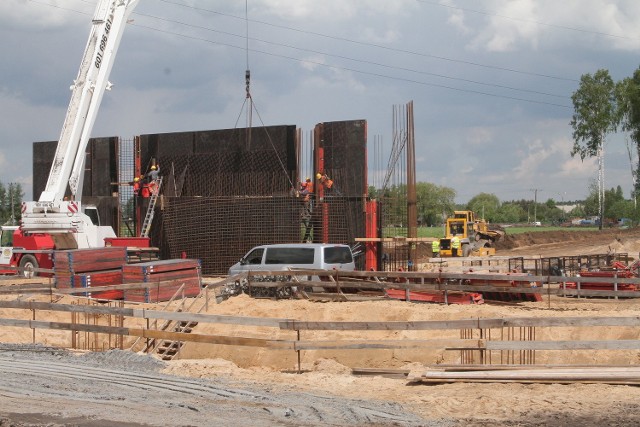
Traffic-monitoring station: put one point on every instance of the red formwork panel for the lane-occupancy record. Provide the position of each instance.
(137, 242)
(152, 268)
(68, 263)
(510, 280)
(84, 260)
(165, 278)
(98, 279)
(164, 290)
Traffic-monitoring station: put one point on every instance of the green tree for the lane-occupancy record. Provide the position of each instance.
(10, 201)
(3, 204)
(595, 116)
(510, 213)
(433, 202)
(627, 94)
(485, 205)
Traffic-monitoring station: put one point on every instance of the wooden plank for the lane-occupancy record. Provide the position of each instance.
(150, 333)
(585, 321)
(144, 313)
(210, 318)
(388, 344)
(213, 339)
(390, 326)
(466, 324)
(31, 290)
(70, 308)
(596, 293)
(563, 345)
(555, 375)
(447, 276)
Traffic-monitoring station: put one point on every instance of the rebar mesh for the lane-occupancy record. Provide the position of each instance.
(219, 230)
(126, 165)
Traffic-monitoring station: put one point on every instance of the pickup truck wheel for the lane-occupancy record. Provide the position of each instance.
(28, 263)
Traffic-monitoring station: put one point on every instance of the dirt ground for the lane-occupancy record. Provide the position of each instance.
(254, 385)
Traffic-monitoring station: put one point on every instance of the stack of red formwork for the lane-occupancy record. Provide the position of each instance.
(100, 278)
(88, 268)
(508, 280)
(611, 274)
(165, 278)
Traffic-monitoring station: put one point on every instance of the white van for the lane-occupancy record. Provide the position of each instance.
(300, 256)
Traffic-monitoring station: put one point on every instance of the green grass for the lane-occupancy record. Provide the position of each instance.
(520, 230)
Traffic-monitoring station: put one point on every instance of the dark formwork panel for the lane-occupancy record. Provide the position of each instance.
(345, 154)
(100, 166)
(224, 162)
(43, 153)
(344, 147)
(100, 172)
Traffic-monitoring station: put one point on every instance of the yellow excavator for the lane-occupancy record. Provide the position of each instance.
(476, 238)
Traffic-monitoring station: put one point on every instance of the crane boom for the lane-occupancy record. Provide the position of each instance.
(52, 213)
(88, 88)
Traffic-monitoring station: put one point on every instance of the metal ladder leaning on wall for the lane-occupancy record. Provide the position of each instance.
(148, 218)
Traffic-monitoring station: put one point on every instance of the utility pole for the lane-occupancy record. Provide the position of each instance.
(535, 203)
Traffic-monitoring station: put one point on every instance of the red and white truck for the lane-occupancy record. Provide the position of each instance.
(59, 220)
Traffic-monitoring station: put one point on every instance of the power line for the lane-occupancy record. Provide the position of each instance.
(335, 67)
(353, 59)
(344, 39)
(320, 64)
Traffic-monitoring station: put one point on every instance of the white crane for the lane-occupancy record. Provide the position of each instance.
(52, 214)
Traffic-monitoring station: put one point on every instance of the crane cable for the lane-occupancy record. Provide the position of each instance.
(250, 105)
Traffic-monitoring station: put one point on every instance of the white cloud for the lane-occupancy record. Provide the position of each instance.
(479, 135)
(514, 24)
(29, 15)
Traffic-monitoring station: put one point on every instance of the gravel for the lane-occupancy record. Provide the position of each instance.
(48, 386)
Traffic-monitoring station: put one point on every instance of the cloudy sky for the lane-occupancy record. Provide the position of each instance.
(491, 80)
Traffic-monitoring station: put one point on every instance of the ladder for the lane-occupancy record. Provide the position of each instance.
(148, 218)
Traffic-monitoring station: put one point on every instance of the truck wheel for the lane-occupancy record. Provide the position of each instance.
(28, 263)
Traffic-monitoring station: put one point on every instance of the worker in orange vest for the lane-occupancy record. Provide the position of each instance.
(136, 186)
(325, 180)
(306, 189)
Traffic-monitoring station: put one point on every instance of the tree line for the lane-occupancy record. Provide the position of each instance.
(10, 201)
(436, 203)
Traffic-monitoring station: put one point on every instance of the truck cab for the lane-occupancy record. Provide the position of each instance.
(15, 251)
(6, 248)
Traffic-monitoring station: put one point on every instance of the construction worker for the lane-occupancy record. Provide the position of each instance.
(152, 179)
(144, 191)
(136, 186)
(324, 180)
(154, 172)
(306, 189)
(435, 248)
(455, 245)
